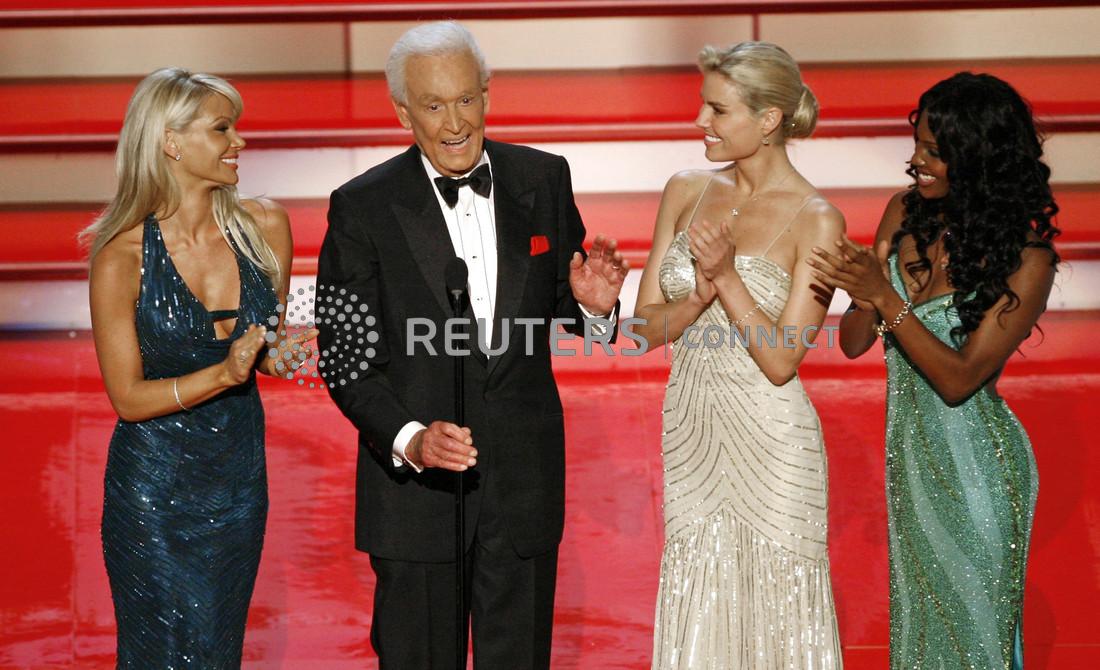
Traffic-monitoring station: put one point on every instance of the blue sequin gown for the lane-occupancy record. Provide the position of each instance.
(185, 495)
(961, 486)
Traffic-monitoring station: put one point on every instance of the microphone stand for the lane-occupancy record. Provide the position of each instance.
(457, 296)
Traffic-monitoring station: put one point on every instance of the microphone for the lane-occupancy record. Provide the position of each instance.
(455, 277)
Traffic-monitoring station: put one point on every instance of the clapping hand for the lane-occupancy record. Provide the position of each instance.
(290, 352)
(861, 272)
(712, 248)
(597, 280)
(705, 290)
(242, 354)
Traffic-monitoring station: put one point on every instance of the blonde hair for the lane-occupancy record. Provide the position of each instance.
(766, 76)
(171, 98)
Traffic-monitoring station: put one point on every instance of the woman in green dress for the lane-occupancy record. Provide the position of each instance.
(961, 269)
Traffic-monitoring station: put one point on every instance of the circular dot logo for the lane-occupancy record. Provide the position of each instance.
(345, 317)
(292, 357)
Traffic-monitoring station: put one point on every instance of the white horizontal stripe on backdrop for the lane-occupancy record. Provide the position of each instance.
(570, 44)
(1053, 32)
(554, 43)
(138, 50)
(598, 167)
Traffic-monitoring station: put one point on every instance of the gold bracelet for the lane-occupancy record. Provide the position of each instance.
(882, 328)
(755, 308)
(176, 392)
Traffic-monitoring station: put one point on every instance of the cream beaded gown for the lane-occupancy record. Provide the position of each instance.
(745, 570)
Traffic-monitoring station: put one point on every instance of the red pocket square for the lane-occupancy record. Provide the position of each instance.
(539, 245)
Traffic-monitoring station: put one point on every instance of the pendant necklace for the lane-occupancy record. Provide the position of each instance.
(736, 211)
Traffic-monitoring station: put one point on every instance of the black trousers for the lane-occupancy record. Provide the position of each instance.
(510, 608)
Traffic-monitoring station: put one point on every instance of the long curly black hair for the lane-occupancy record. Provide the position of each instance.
(998, 201)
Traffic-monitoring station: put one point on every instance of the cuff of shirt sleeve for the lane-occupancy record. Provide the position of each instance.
(604, 321)
(401, 442)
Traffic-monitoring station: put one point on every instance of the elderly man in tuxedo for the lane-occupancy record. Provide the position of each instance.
(508, 212)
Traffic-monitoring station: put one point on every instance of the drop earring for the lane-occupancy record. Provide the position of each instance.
(765, 141)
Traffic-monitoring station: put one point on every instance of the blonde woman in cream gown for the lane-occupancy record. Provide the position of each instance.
(745, 571)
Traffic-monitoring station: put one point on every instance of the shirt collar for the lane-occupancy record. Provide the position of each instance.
(433, 173)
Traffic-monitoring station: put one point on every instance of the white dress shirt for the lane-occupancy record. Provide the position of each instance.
(472, 227)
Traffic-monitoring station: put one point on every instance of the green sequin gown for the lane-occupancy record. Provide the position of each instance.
(961, 485)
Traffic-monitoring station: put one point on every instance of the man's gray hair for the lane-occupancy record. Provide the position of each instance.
(430, 39)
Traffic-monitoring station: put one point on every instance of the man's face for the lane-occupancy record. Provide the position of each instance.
(445, 109)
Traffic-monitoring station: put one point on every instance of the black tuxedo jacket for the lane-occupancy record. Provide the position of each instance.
(386, 247)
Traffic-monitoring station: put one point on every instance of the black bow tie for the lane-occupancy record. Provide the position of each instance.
(479, 180)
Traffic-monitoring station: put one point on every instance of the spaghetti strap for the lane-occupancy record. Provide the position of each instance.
(801, 206)
(691, 219)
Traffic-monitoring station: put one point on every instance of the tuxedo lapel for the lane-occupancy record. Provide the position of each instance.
(514, 201)
(417, 212)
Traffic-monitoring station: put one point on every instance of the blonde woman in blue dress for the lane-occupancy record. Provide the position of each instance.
(745, 572)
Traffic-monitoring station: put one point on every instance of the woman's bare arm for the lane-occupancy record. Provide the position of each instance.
(664, 321)
(857, 326)
(114, 285)
(819, 224)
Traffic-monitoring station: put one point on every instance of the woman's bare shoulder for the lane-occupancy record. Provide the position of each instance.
(688, 184)
(117, 266)
(268, 214)
(682, 191)
(819, 216)
(123, 250)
